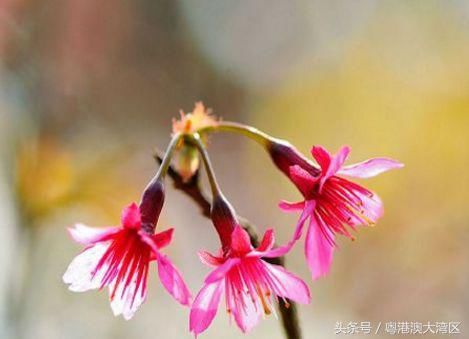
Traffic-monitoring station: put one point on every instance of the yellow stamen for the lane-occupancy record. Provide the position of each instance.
(265, 306)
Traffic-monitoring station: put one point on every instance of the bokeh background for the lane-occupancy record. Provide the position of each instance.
(88, 90)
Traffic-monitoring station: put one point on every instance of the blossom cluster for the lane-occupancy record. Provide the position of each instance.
(119, 257)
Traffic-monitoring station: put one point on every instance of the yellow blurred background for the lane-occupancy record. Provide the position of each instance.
(88, 90)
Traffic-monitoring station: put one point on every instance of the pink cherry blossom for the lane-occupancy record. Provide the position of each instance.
(331, 202)
(250, 284)
(119, 258)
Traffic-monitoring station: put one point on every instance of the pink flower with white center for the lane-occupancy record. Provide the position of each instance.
(249, 283)
(331, 202)
(119, 257)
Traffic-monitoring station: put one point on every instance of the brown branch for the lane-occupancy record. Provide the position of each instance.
(287, 308)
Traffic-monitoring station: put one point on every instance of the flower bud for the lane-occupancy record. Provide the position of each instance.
(187, 162)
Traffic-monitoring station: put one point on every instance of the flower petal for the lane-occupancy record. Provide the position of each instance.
(220, 272)
(302, 179)
(335, 164)
(322, 157)
(80, 274)
(288, 285)
(205, 306)
(338, 160)
(240, 240)
(276, 252)
(266, 249)
(370, 168)
(247, 314)
(308, 210)
(86, 235)
(372, 207)
(209, 259)
(164, 238)
(268, 241)
(127, 299)
(318, 249)
(287, 206)
(172, 280)
(131, 216)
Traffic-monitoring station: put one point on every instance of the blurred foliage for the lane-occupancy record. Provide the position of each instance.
(49, 178)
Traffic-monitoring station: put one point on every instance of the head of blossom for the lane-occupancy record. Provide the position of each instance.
(250, 284)
(119, 257)
(199, 118)
(188, 161)
(331, 202)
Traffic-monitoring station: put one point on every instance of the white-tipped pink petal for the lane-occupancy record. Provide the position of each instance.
(221, 271)
(127, 299)
(80, 274)
(205, 306)
(370, 168)
(287, 206)
(246, 317)
(372, 207)
(318, 248)
(288, 285)
(172, 280)
(86, 235)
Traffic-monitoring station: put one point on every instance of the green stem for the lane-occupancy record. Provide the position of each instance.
(166, 162)
(251, 132)
(195, 139)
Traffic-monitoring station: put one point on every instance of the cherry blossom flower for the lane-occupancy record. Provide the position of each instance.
(119, 258)
(331, 202)
(249, 283)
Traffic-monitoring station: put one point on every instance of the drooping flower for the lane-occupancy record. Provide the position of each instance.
(250, 284)
(331, 202)
(119, 257)
(187, 159)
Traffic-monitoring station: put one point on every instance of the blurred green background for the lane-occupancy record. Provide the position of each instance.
(88, 90)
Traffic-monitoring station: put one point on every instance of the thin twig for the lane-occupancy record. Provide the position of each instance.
(287, 308)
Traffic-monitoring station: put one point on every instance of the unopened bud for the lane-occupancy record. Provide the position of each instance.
(187, 162)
